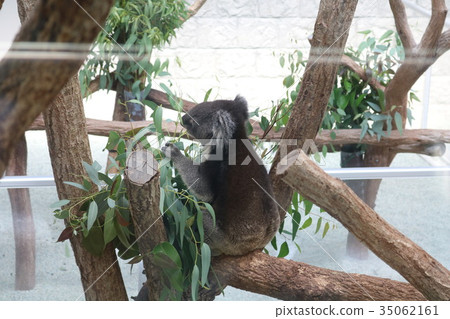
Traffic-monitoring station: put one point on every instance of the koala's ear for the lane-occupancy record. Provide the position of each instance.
(241, 106)
(223, 125)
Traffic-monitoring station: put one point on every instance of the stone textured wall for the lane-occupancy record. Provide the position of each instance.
(233, 47)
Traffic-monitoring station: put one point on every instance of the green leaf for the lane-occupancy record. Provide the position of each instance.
(296, 218)
(273, 242)
(92, 173)
(157, 118)
(167, 249)
(92, 214)
(308, 206)
(93, 242)
(398, 122)
(62, 214)
(264, 124)
(365, 32)
(364, 128)
(60, 203)
(111, 202)
(374, 106)
(207, 94)
(113, 139)
(288, 81)
(194, 282)
(341, 112)
(77, 186)
(206, 262)
(307, 223)
(211, 212)
(319, 223)
(201, 231)
(282, 60)
(342, 101)
(325, 229)
(284, 250)
(386, 35)
(409, 116)
(109, 231)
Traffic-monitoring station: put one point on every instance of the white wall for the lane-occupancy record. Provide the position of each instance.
(233, 46)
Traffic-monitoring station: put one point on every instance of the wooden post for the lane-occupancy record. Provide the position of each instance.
(142, 180)
(24, 232)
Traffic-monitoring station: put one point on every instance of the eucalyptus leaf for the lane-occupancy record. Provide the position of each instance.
(92, 214)
(284, 250)
(398, 122)
(60, 203)
(205, 252)
(194, 282)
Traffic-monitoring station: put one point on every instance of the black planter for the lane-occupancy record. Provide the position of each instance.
(353, 156)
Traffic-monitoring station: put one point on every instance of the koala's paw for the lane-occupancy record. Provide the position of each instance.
(170, 150)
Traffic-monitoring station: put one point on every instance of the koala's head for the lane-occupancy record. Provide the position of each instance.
(216, 120)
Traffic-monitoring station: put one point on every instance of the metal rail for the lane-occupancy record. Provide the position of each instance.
(342, 173)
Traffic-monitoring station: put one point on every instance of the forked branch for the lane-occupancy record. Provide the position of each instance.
(402, 25)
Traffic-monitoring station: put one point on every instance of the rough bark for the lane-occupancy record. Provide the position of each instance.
(195, 7)
(420, 269)
(142, 180)
(289, 280)
(28, 87)
(424, 141)
(329, 38)
(69, 146)
(24, 232)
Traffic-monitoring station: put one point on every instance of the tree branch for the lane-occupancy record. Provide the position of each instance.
(430, 38)
(1, 3)
(28, 87)
(289, 280)
(330, 31)
(195, 7)
(425, 273)
(424, 141)
(355, 67)
(402, 25)
(443, 43)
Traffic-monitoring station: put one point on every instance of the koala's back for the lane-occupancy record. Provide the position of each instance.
(245, 208)
(237, 185)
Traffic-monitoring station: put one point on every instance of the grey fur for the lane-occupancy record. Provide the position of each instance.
(247, 217)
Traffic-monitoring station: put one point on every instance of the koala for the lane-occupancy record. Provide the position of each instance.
(231, 177)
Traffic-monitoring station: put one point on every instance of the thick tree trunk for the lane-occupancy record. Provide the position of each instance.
(28, 87)
(142, 180)
(289, 280)
(329, 38)
(69, 146)
(24, 233)
(420, 269)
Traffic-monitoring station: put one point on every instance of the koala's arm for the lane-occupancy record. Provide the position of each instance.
(191, 173)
